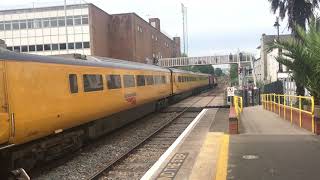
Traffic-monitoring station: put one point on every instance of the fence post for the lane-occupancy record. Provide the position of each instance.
(312, 114)
(284, 106)
(279, 105)
(300, 113)
(291, 108)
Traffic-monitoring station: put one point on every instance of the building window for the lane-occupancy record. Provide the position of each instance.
(149, 80)
(156, 38)
(114, 81)
(140, 80)
(128, 81)
(79, 45)
(7, 25)
(23, 24)
(54, 47)
(32, 48)
(47, 47)
(70, 45)
(92, 82)
(152, 36)
(54, 22)
(61, 22)
(86, 45)
(73, 83)
(16, 48)
(9, 48)
(70, 21)
(37, 23)
(62, 46)
(85, 20)
(77, 20)
(24, 48)
(15, 25)
(40, 47)
(1, 26)
(46, 23)
(30, 24)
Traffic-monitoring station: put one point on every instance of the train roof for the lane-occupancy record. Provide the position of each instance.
(92, 61)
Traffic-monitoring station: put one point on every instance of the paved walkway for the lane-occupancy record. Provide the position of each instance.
(272, 148)
(256, 120)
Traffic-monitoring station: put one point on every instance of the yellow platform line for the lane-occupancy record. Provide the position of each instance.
(222, 165)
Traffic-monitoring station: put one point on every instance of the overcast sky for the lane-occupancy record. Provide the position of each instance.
(215, 26)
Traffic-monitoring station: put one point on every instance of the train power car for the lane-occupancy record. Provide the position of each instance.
(51, 105)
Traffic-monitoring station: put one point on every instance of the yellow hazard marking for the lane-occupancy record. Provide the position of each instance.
(222, 165)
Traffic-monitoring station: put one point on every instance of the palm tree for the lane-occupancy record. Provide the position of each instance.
(298, 12)
(302, 56)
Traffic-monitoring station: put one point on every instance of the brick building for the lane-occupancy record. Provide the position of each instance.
(86, 29)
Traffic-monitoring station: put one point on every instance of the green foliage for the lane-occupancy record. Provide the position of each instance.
(297, 11)
(218, 72)
(208, 69)
(303, 57)
(184, 55)
(234, 74)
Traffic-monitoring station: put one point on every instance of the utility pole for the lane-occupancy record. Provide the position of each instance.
(277, 25)
(185, 31)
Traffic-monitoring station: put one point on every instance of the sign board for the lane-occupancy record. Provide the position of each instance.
(230, 91)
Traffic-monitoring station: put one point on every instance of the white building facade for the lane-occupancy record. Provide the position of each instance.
(47, 31)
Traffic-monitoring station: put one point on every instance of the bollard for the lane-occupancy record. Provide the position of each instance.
(233, 122)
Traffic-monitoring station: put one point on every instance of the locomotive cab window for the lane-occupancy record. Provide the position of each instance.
(73, 83)
(140, 80)
(128, 81)
(114, 81)
(92, 82)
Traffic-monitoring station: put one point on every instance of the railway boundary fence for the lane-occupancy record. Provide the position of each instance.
(299, 110)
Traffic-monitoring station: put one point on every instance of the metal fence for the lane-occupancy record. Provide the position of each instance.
(297, 109)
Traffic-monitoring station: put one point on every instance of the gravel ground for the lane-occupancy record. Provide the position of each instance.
(135, 165)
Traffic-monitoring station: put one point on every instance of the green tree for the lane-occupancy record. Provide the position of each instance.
(218, 72)
(234, 74)
(303, 57)
(298, 12)
(208, 69)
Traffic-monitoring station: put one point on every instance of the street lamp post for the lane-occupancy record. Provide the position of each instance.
(277, 25)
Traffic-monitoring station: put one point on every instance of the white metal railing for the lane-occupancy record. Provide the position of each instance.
(214, 60)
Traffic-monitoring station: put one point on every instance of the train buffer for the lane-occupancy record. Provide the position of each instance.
(267, 147)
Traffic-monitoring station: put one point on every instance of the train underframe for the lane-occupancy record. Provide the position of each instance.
(28, 155)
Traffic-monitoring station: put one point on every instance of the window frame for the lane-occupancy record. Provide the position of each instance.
(90, 89)
(125, 83)
(71, 90)
(113, 86)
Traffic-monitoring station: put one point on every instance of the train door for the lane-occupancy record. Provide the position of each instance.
(4, 118)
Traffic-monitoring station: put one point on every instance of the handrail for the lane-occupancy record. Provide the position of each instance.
(286, 102)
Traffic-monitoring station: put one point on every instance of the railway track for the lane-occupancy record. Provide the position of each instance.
(136, 161)
(147, 138)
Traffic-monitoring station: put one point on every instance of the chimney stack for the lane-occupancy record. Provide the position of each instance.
(155, 22)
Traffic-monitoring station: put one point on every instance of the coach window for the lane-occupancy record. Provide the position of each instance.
(92, 82)
(73, 83)
(114, 81)
(128, 81)
(149, 80)
(140, 80)
(163, 79)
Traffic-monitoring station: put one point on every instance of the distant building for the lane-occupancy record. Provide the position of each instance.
(86, 30)
(267, 67)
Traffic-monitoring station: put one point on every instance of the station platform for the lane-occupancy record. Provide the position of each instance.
(267, 147)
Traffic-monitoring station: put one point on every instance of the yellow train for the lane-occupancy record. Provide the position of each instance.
(53, 104)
